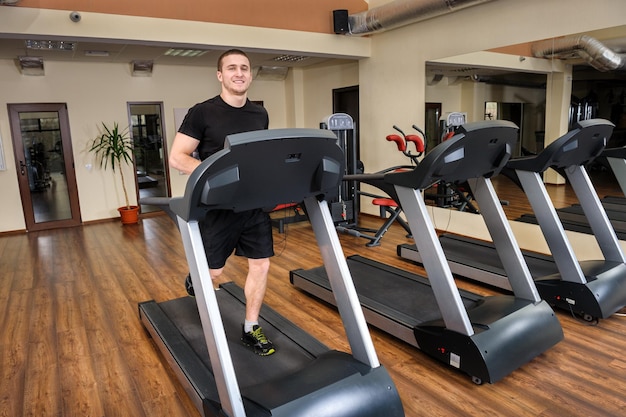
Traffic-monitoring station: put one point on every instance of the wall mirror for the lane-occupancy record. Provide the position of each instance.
(508, 83)
(150, 154)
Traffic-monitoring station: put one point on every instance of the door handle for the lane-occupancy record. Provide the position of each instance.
(22, 168)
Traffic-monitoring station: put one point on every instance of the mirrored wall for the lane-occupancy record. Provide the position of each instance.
(151, 168)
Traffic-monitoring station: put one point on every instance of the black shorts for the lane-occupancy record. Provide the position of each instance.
(248, 233)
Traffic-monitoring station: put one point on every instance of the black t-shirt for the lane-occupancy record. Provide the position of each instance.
(212, 120)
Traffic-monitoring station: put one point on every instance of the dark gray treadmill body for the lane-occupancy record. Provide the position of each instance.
(572, 226)
(616, 157)
(593, 289)
(478, 260)
(413, 300)
(177, 324)
(461, 329)
(403, 305)
(200, 336)
(573, 218)
(615, 201)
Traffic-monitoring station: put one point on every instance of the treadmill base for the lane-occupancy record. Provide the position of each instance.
(303, 378)
(397, 302)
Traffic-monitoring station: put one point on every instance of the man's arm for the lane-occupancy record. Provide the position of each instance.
(180, 154)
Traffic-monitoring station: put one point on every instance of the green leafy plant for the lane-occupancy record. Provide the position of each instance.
(114, 147)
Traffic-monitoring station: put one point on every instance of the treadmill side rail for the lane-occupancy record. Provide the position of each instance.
(210, 317)
(508, 250)
(551, 227)
(341, 282)
(595, 213)
(618, 166)
(446, 292)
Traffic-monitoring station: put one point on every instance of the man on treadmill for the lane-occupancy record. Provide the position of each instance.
(248, 233)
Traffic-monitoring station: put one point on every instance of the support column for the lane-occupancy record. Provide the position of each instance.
(558, 99)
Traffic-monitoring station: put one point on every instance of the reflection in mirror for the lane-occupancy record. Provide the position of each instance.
(45, 166)
(484, 93)
(150, 151)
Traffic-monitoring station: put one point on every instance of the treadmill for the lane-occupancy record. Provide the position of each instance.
(616, 157)
(591, 289)
(200, 337)
(573, 217)
(484, 337)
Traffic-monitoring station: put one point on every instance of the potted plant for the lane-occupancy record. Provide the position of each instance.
(114, 147)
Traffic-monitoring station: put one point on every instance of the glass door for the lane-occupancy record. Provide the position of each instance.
(43, 155)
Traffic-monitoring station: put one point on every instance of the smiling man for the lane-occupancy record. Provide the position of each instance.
(248, 233)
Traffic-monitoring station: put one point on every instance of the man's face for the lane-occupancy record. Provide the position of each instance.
(235, 74)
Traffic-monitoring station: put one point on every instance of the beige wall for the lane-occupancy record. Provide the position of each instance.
(318, 84)
(391, 77)
(99, 93)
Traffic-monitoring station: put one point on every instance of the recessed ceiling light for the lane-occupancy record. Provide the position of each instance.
(187, 53)
(290, 58)
(96, 53)
(50, 45)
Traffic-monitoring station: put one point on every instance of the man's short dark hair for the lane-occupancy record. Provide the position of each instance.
(227, 53)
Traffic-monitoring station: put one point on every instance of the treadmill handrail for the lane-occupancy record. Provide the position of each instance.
(478, 149)
(239, 176)
(577, 147)
(619, 152)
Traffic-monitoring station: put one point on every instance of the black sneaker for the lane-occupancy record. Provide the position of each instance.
(256, 339)
(189, 286)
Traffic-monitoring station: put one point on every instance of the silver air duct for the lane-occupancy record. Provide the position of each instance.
(403, 12)
(585, 47)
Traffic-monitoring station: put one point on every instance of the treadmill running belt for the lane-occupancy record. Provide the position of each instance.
(482, 255)
(573, 226)
(395, 293)
(250, 368)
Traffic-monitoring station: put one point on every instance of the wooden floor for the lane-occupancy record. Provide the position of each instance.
(72, 344)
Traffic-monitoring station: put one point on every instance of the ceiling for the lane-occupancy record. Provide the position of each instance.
(118, 52)
(128, 52)
(582, 72)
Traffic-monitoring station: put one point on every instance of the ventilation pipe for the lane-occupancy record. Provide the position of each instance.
(402, 12)
(591, 50)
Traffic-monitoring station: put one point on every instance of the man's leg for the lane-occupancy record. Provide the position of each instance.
(254, 289)
(256, 283)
